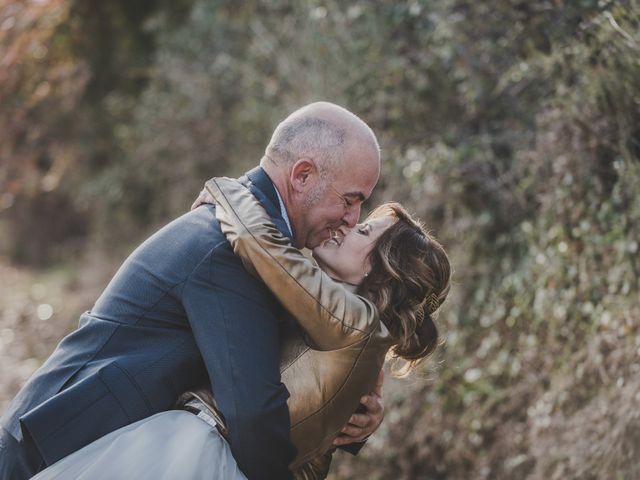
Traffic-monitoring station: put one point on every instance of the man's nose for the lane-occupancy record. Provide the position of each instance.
(351, 217)
(343, 230)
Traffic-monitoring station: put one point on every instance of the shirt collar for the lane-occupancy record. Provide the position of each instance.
(283, 211)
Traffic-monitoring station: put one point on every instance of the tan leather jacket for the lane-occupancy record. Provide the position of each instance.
(346, 342)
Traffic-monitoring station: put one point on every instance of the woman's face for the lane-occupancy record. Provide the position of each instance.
(344, 257)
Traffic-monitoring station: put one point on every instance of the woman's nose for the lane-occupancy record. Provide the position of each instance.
(351, 216)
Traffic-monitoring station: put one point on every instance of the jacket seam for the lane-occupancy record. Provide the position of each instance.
(143, 315)
(206, 258)
(342, 385)
(306, 349)
(46, 437)
(135, 385)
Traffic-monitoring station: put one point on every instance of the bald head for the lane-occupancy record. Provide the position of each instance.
(324, 132)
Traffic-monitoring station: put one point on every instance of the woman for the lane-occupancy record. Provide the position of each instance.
(400, 276)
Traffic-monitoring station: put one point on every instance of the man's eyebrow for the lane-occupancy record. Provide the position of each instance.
(359, 195)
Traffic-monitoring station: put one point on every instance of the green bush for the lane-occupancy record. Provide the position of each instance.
(511, 127)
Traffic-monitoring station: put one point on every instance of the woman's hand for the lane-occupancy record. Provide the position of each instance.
(361, 425)
(203, 197)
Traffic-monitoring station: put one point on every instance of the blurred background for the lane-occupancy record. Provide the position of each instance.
(512, 127)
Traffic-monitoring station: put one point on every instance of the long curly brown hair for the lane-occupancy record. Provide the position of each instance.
(409, 279)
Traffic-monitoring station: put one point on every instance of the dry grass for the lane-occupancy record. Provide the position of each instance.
(36, 310)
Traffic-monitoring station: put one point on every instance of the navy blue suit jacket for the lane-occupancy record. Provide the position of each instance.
(180, 312)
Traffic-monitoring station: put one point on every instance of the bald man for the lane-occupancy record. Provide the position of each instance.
(324, 162)
(182, 312)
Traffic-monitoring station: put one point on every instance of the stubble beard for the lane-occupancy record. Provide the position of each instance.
(314, 196)
(310, 202)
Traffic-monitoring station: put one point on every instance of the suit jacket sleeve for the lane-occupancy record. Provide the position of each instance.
(332, 316)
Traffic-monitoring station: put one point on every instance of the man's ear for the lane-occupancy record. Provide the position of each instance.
(304, 174)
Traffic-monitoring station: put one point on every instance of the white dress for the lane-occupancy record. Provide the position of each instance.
(172, 445)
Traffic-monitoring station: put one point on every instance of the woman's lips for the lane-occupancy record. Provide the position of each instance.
(334, 239)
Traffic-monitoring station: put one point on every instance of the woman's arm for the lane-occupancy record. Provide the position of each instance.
(315, 469)
(331, 316)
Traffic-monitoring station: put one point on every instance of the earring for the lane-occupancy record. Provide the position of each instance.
(366, 274)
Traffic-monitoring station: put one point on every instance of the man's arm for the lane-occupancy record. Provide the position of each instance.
(234, 322)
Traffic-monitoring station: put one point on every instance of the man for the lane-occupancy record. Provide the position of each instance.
(182, 311)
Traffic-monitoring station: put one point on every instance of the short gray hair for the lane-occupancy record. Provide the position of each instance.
(311, 137)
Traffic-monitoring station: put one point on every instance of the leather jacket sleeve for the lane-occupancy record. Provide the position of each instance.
(331, 316)
(315, 469)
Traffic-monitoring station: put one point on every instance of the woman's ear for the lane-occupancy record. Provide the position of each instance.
(366, 268)
(304, 174)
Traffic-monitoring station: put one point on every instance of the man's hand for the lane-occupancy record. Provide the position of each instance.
(361, 425)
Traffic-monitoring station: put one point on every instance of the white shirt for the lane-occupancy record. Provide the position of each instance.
(283, 211)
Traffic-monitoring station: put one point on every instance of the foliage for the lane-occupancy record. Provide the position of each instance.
(61, 61)
(511, 127)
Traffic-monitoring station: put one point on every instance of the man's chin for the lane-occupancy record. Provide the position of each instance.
(317, 241)
(299, 242)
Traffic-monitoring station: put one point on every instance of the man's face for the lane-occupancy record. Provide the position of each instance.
(337, 201)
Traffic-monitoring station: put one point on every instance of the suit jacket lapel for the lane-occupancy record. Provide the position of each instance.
(262, 187)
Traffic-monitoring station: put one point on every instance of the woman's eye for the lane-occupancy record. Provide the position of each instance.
(363, 231)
